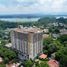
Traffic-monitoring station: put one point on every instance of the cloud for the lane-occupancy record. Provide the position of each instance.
(33, 6)
(25, 0)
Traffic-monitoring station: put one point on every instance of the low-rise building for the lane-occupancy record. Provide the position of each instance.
(1, 60)
(8, 45)
(53, 63)
(45, 30)
(63, 31)
(45, 36)
(43, 56)
(13, 65)
(55, 35)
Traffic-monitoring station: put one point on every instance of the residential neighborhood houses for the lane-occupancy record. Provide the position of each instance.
(33, 33)
(32, 46)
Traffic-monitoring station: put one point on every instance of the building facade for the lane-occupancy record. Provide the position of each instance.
(27, 40)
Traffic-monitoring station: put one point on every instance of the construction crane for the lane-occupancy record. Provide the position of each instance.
(17, 23)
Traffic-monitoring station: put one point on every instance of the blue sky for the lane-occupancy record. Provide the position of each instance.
(33, 6)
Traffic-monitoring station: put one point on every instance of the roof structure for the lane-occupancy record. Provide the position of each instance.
(43, 56)
(1, 60)
(53, 63)
(13, 65)
(28, 30)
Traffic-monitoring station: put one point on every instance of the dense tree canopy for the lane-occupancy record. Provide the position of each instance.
(2, 65)
(42, 64)
(62, 38)
(61, 56)
(62, 20)
(28, 63)
(7, 54)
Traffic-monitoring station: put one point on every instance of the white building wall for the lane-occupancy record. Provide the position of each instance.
(32, 48)
(12, 39)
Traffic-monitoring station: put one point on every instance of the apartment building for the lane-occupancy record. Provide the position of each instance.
(27, 40)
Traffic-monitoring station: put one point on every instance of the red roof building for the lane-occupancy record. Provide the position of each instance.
(13, 65)
(53, 63)
(1, 60)
(43, 56)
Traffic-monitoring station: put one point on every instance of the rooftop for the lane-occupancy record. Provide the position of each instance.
(1, 59)
(63, 32)
(45, 36)
(28, 30)
(43, 56)
(53, 63)
(13, 65)
(8, 45)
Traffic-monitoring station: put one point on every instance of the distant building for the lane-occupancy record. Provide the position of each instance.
(55, 24)
(65, 25)
(45, 30)
(27, 40)
(63, 31)
(61, 24)
(55, 36)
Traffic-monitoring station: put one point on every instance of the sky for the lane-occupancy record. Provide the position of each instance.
(33, 6)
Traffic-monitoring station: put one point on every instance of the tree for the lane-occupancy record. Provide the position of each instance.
(28, 63)
(54, 30)
(47, 41)
(45, 20)
(52, 48)
(45, 51)
(2, 65)
(63, 61)
(61, 20)
(7, 54)
(6, 60)
(42, 64)
(3, 42)
(62, 38)
(61, 56)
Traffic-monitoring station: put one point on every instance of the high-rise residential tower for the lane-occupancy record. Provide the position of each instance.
(27, 40)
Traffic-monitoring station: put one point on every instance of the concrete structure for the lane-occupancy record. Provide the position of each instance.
(28, 41)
